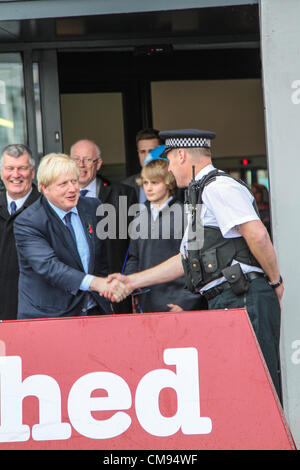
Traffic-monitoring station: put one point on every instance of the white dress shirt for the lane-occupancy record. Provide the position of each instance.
(156, 210)
(91, 189)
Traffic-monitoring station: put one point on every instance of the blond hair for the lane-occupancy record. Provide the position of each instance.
(158, 169)
(52, 166)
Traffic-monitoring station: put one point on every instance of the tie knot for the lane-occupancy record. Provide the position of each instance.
(67, 217)
(83, 192)
(69, 225)
(13, 207)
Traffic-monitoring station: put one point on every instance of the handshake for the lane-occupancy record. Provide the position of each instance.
(115, 287)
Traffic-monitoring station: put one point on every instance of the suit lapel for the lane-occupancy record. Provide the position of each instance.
(103, 191)
(33, 196)
(62, 233)
(3, 206)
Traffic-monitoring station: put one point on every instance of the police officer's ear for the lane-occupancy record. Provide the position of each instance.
(182, 156)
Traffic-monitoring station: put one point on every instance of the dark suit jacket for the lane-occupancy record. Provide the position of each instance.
(9, 267)
(50, 266)
(109, 193)
(131, 181)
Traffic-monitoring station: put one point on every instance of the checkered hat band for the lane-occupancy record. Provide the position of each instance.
(186, 142)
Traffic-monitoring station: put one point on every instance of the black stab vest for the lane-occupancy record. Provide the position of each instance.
(205, 264)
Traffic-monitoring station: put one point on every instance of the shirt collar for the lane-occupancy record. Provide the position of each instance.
(92, 187)
(155, 211)
(19, 202)
(204, 171)
(60, 212)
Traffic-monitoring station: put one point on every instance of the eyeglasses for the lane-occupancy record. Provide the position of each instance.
(85, 160)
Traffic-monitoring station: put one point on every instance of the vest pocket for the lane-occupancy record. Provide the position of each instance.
(210, 261)
(193, 273)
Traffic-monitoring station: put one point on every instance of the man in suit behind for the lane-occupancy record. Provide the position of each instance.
(146, 140)
(62, 262)
(17, 173)
(87, 156)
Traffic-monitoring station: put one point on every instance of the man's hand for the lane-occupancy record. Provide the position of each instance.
(113, 290)
(116, 290)
(175, 308)
(167, 271)
(121, 277)
(279, 292)
(117, 279)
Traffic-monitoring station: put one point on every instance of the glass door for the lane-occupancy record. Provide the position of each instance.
(29, 102)
(13, 128)
(44, 101)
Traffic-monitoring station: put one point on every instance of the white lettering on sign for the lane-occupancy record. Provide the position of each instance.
(13, 391)
(185, 382)
(80, 405)
(296, 94)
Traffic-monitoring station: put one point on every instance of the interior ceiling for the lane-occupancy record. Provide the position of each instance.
(112, 71)
(193, 27)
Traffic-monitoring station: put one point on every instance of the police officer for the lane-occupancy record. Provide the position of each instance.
(228, 256)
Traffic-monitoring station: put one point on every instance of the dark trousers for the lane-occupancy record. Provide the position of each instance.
(263, 309)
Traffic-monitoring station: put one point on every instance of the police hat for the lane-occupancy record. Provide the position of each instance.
(186, 138)
(156, 154)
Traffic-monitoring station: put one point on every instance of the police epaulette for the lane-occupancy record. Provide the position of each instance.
(211, 176)
(205, 180)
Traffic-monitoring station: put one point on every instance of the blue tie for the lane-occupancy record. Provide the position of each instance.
(83, 192)
(67, 218)
(13, 207)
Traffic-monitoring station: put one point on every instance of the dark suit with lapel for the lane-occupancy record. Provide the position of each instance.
(109, 193)
(50, 266)
(131, 181)
(9, 267)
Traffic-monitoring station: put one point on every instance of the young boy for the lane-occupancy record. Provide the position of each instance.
(161, 227)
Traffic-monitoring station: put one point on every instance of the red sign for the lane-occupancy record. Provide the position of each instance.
(191, 380)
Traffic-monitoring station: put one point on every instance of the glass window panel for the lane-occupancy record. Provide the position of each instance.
(12, 101)
(37, 103)
(249, 177)
(263, 178)
(235, 173)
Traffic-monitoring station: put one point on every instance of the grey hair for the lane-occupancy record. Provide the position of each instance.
(97, 147)
(197, 152)
(16, 151)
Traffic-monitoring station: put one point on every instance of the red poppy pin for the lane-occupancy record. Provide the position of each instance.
(90, 230)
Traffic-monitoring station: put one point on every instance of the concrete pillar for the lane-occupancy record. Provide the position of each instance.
(280, 47)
